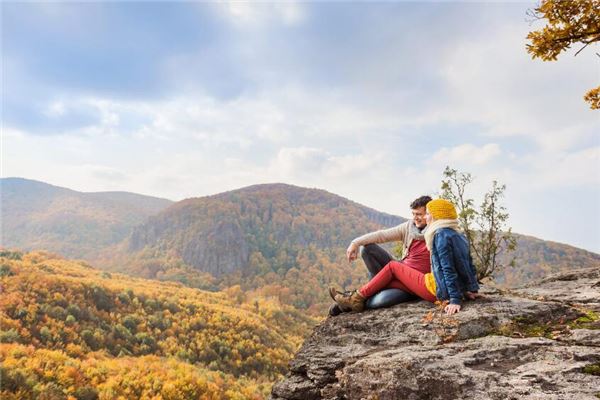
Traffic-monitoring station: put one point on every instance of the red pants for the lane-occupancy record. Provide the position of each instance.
(398, 275)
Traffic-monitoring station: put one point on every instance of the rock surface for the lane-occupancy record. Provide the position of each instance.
(536, 342)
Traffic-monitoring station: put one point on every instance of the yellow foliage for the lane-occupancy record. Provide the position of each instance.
(66, 328)
(148, 377)
(593, 97)
(568, 23)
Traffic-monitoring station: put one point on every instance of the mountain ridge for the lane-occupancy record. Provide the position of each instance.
(275, 238)
(273, 235)
(22, 180)
(37, 215)
(254, 187)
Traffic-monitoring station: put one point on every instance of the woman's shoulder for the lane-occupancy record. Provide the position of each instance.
(447, 234)
(446, 231)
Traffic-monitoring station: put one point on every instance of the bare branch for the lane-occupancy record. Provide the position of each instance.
(534, 15)
(587, 44)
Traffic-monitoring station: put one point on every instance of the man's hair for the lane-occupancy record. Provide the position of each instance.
(420, 202)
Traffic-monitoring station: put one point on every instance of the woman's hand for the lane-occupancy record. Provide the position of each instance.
(452, 309)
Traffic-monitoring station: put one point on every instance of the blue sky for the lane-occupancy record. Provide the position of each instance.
(366, 100)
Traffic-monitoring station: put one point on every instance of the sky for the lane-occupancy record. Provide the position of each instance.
(366, 100)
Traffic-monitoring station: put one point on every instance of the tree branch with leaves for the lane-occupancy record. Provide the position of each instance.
(568, 23)
(484, 227)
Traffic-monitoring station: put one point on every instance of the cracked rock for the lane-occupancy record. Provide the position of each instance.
(535, 342)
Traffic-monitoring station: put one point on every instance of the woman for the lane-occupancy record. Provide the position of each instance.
(452, 272)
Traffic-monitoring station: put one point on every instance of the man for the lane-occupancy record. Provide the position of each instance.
(414, 250)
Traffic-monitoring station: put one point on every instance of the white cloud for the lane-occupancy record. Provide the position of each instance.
(55, 109)
(109, 117)
(105, 173)
(353, 115)
(494, 82)
(253, 14)
(12, 133)
(352, 166)
(467, 154)
(289, 114)
(299, 162)
(314, 164)
(566, 170)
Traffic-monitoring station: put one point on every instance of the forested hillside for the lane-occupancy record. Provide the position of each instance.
(275, 240)
(39, 216)
(536, 258)
(279, 240)
(71, 329)
(219, 234)
(286, 241)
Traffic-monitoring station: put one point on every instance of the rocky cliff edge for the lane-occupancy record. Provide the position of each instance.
(537, 342)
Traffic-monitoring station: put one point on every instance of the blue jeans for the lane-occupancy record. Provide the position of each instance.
(375, 258)
(388, 298)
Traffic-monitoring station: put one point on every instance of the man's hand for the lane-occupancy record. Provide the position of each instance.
(452, 309)
(352, 252)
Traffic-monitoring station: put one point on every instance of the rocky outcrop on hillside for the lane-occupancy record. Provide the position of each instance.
(536, 342)
(218, 234)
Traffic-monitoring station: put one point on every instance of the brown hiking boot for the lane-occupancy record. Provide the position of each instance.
(352, 301)
(336, 309)
(334, 292)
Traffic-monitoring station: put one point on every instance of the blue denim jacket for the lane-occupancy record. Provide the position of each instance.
(452, 266)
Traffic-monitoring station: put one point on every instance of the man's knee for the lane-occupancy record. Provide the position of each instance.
(366, 250)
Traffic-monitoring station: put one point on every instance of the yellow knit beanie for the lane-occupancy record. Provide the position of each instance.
(441, 209)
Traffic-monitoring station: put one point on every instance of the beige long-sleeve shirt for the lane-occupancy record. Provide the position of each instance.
(406, 232)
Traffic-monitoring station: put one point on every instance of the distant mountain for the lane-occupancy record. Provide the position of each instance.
(274, 239)
(278, 239)
(219, 234)
(36, 215)
(536, 258)
(288, 241)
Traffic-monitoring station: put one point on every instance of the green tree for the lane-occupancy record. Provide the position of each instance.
(101, 298)
(86, 393)
(569, 22)
(484, 227)
(398, 250)
(5, 270)
(9, 336)
(45, 334)
(131, 322)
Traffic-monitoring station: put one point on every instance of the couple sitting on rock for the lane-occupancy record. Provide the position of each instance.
(436, 265)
